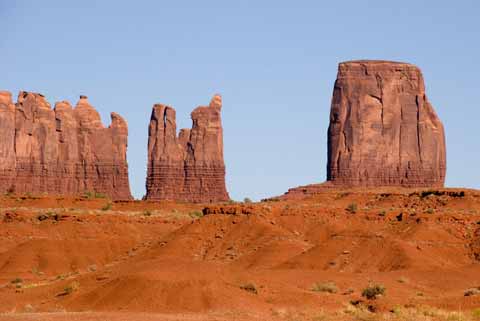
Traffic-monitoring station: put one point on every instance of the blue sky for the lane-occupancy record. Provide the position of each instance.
(274, 62)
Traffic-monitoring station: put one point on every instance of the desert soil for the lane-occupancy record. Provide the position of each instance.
(93, 259)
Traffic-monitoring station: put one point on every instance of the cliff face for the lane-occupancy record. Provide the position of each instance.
(189, 167)
(383, 131)
(64, 151)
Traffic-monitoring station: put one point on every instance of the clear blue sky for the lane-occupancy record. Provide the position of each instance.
(274, 62)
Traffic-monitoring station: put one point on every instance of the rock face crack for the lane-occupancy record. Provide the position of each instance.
(383, 131)
(189, 167)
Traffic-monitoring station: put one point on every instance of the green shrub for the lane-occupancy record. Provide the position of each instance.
(372, 291)
(352, 208)
(88, 195)
(476, 314)
(100, 195)
(329, 287)
(107, 207)
(72, 287)
(195, 214)
(17, 281)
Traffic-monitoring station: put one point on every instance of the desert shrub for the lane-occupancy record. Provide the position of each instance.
(247, 200)
(147, 213)
(476, 314)
(100, 195)
(372, 291)
(88, 195)
(195, 214)
(430, 210)
(72, 287)
(249, 287)
(328, 287)
(382, 213)
(107, 207)
(17, 281)
(352, 208)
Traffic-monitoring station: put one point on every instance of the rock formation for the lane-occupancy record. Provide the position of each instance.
(64, 151)
(189, 167)
(383, 131)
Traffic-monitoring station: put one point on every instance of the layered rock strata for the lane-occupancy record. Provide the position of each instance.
(60, 151)
(188, 167)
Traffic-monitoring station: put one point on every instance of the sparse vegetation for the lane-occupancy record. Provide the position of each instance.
(249, 287)
(382, 213)
(352, 208)
(372, 291)
(328, 287)
(430, 210)
(403, 279)
(17, 281)
(147, 213)
(61, 277)
(88, 195)
(91, 195)
(247, 200)
(476, 314)
(107, 207)
(72, 287)
(48, 215)
(195, 214)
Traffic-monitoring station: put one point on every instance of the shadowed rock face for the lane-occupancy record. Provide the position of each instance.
(383, 131)
(189, 167)
(64, 151)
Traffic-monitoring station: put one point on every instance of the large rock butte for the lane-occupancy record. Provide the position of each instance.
(383, 131)
(188, 167)
(64, 151)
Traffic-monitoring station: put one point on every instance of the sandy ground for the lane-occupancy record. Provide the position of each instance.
(310, 259)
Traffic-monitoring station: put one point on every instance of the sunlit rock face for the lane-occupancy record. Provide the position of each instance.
(188, 167)
(383, 130)
(60, 151)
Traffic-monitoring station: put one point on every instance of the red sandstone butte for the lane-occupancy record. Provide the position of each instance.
(188, 167)
(383, 130)
(60, 151)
